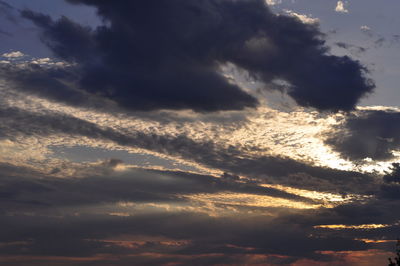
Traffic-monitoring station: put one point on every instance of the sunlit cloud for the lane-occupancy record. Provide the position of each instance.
(303, 18)
(15, 54)
(248, 200)
(356, 227)
(340, 7)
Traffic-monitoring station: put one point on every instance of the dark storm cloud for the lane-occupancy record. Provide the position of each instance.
(56, 83)
(394, 175)
(161, 77)
(390, 189)
(17, 122)
(45, 81)
(372, 134)
(166, 54)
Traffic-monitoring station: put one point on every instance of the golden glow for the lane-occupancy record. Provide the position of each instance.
(249, 200)
(119, 214)
(133, 244)
(375, 241)
(358, 227)
(329, 200)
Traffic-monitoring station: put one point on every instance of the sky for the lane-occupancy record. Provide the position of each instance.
(207, 132)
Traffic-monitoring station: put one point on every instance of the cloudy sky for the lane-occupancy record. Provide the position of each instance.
(199, 132)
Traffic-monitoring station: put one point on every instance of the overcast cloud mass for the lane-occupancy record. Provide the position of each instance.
(198, 132)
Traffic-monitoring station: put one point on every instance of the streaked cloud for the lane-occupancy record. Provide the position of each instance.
(357, 227)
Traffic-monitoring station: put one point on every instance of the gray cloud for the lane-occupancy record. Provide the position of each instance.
(372, 134)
